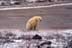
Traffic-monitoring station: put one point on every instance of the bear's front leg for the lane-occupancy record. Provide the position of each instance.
(34, 28)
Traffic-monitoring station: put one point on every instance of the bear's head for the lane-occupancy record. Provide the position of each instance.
(38, 18)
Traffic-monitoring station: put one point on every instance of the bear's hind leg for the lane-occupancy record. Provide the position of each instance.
(34, 28)
(30, 28)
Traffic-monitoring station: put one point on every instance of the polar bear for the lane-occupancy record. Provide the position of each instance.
(33, 22)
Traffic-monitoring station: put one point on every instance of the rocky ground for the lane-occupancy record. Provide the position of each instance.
(21, 40)
(32, 4)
